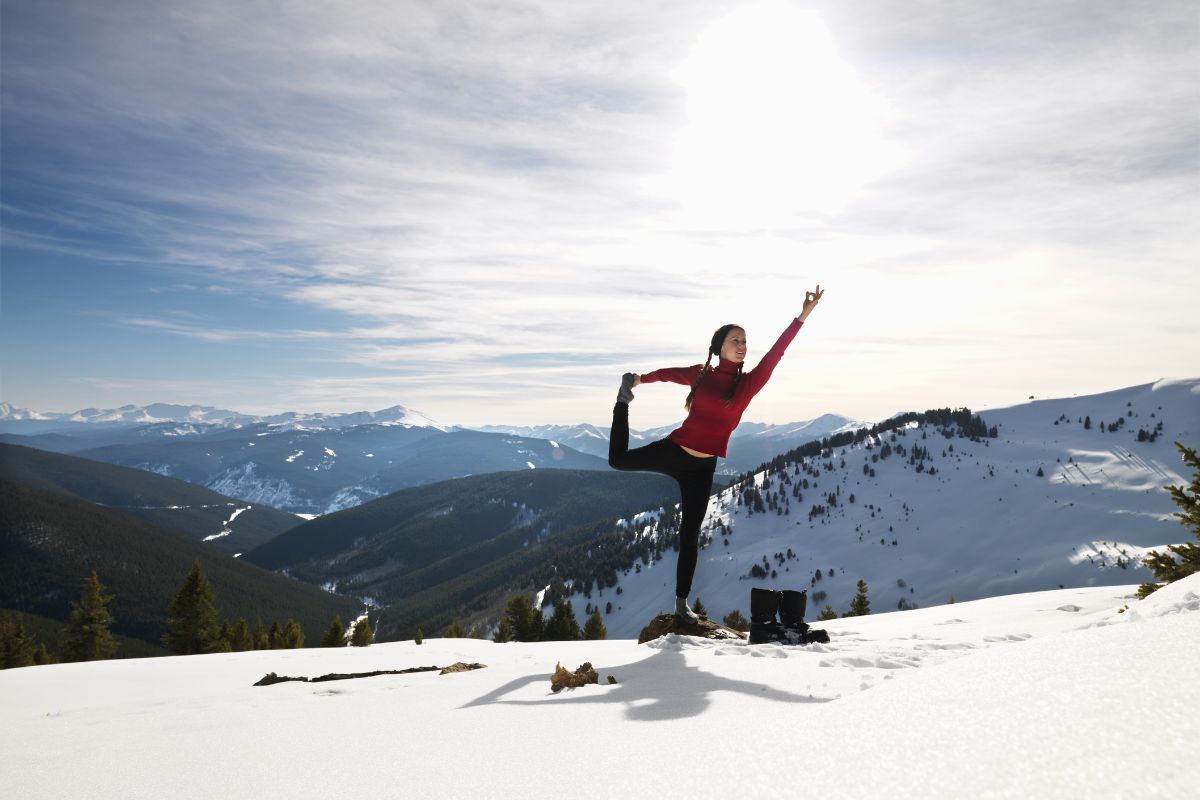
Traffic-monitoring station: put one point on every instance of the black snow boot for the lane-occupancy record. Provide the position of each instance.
(791, 613)
(764, 627)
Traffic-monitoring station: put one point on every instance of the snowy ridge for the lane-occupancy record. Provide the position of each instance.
(944, 700)
(190, 416)
(938, 518)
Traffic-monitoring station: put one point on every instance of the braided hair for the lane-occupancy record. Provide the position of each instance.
(714, 349)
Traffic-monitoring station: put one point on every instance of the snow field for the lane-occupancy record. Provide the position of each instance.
(1051, 694)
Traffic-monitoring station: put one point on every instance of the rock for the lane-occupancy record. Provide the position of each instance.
(669, 623)
(611, 680)
(461, 666)
(582, 677)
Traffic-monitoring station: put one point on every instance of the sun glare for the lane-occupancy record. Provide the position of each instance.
(778, 125)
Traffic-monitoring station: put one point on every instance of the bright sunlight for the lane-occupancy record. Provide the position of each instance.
(778, 125)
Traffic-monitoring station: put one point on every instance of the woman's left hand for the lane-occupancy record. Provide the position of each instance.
(810, 301)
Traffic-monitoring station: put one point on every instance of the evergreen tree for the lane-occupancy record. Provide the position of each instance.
(226, 634)
(699, 608)
(259, 637)
(275, 636)
(827, 613)
(336, 635)
(362, 636)
(87, 636)
(419, 638)
(17, 647)
(860, 606)
(526, 621)
(455, 631)
(242, 640)
(293, 636)
(594, 628)
(562, 626)
(192, 617)
(503, 631)
(735, 620)
(1163, 565)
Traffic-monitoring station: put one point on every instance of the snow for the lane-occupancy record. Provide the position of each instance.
(983, 525)
(1049, 694)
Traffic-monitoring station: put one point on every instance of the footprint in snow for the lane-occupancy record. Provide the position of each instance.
(1009, 637)
(768, 652)
(1068, 607)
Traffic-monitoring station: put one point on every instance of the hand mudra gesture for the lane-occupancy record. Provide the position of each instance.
(810, 300)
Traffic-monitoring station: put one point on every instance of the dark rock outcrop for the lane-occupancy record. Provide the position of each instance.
(669, 623)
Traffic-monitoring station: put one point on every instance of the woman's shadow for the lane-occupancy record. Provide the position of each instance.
(660, 687)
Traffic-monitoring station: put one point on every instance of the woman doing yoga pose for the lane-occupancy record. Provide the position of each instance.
(719, 395)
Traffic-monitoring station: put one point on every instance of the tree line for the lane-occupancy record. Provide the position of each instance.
(192, 628)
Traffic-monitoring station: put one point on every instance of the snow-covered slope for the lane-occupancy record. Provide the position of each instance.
(1047, 695)
(971, 519)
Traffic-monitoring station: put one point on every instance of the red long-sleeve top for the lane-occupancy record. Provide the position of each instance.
(710, 423)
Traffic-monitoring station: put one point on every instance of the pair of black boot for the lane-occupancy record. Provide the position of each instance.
(789, 627)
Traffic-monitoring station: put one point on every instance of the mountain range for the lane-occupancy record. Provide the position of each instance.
(925, 507)
(321, 463)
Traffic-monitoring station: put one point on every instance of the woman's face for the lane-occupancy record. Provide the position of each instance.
(734, 348)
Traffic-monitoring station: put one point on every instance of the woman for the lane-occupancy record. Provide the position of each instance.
(719, 395)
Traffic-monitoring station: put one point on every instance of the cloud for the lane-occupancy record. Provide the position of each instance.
(482, 190)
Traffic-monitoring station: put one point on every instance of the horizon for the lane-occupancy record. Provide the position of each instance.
(488, 215)
(604, 424)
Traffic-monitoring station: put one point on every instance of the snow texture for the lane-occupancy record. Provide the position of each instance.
(1053, 694)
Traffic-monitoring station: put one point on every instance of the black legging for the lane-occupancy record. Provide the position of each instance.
(694, 475)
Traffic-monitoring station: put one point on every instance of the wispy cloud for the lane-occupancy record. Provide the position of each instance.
(471, 191)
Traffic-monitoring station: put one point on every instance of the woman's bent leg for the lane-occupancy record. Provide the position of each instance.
(655, 457)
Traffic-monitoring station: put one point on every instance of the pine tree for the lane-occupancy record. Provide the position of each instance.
(192, 617)
(362, 636)
(275, 636)
(562, 626)
(526, 621)
(827, 613)
(455, 631)
(86, 636)
(259, 637)
(226, 634)
(594, 629)
(419, 638)
(1163, 565)
(293, 636)
(860, 606)
(699, 608)
(336, 635)
(242, 640)
(17, 646)
(503, 631)
(736, 620)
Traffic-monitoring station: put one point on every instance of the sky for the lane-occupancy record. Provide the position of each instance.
(489, 211)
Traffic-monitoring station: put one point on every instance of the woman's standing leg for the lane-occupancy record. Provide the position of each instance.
(695, 487)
